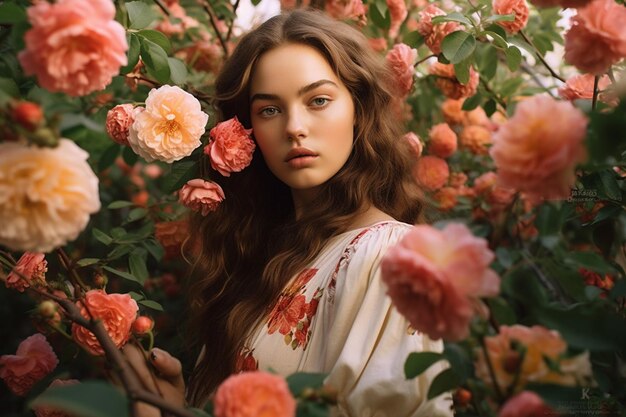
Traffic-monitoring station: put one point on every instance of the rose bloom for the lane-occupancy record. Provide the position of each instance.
(415, 142)
(74, 46)
(231, 148)
(171, 235)
(434, 34)
(119, 120)
(435, 276)
(170, 127)
(453, 111)
(446, 198)
(378, 44)
(254, 394)
(184, 22)
(431, 172)
(531, 366)
(30, 270)
(536, 150)
(117, 313)
(526, 404)
(400, 59)
(487, 186)
(443, 141)
(581, 86)
(202, 55)
(449, 85)
(458, 179)
(397, 12)
(478, 117)
(33, 360)
(46, 195)
(347, 10)
(51, 411)
(201, 196)
(517, 7)
(475, 138)
(597, 38)
(560, 3)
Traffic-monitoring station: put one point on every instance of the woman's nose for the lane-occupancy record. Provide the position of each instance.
(296, 128)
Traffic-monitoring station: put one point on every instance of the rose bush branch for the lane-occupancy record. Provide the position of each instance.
(212, 18)
(540, 58)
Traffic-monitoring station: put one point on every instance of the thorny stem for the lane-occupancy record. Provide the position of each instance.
(69, 267)
(492, 372)
(209, 10)
(230, 27)
(594, 101)
(540, 58)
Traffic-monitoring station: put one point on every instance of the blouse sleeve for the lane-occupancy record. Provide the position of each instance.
(369, 342)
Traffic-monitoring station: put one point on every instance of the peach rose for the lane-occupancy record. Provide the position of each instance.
(119, 120)
(434, 277)
(434, 34)
(201, 196)
(51, 411)
(446, 198)
(46, 195)
(487, 186)
(400, 59)
(453, 111)
(231, 148)
(539, 343)
(398, 12)
(443, 141)
(33, 360)
(475, 138)
(117, 313)
(526, 404)
(378, 44)
(74, 46)
(536, 150)
(478, 117)
(171, 235)
(254, 394)
(581, 86)
(517, 7)
(415, 142)
(597, 38)
(170, 127)
(347, 10)
(458, 179)
(431, 172)
(30, 270)
(449, 85)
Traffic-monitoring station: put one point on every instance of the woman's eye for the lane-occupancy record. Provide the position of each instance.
(320, 101)
(269, 111)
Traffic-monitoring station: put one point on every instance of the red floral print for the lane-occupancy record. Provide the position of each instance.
(286, 314)
(246, 361)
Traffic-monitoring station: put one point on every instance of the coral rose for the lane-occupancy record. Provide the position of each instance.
(347, 10)
(119, 120)
(46, 195)
(597, 38)
(536, 150)
(448, 83)
(33, 360)
(514, 369)
(581, 86)
(397, 12)
(446, 198)
(51, 411)
(517, 7)
(435, 276)
(378, 44)
(231, 148)
(475, 138)
(487, 186)
(254, 394)
(171, 236)
(201, 196)
(400, 59)
(434, 34)
(415, 142)
(30, 270)
(170, 127)
(117, 313)
(74, 46)
(443, 141)
(453, 111)
(431, 172)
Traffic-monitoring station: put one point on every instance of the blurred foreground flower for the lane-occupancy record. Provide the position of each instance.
(231, 147)
(33, 360)
(435, 278)
(51, 411)
(46, 195)
(30, 270)
(526, 404)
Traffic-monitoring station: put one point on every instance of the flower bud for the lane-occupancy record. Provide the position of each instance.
(26, 114)
(47, 309)
(100, 280)
(462, 397)
(44, 137)
(142, 325)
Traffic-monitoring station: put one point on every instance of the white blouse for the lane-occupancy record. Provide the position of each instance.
(335, 318)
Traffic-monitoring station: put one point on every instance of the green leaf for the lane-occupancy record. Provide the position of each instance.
(459, 360)
(513, 58)
(380, 19)
(502, 311)
(500, 18)
(608, 185)
(458, 46)
(588, 260)
(413, 39)
(489, 63)
(418, 362)
(122, 274)
(547, 220)
(108, 157)
(85, 399)
(140, 14)
(151, 304)
(181, 172)
(445, 381)
(120, 204)
(490, 107)
(452, 17)
(130, 157)
(157, 37)
(521, 283)
(510, 86)
(498, 40)
(178, 70)
(11, 13)
(301, 380)
(156, 61)
(133, 53)
(462, 71)
(472, 102)
(136, 296)
(101, 236)
(8, 90)
(120, 251)
(136, 214)
(87, 261)
(137, 264)
(154, 248)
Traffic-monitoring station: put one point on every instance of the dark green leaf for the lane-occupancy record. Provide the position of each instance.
(459, 360)
(445, 381)
(489, 63)
(490, 107)
(130, 157)
(500, 18)
(521, 283)
(11, 13)
(458, 46)
(301, 380)
(497, 40)
(413, 39)
(510, 86)
(157, 37)
(502, 311)
(122, 274)
(155, 248)
(608, 185)
(472, 102)
(383, 21)
(108, 157)
(513, 58)
(418, 362)
(101, 236)
(547, 220)
(132, 54)
(462, 71)
(178, 70)
(140, 14)
(136, 214)
(136, 296)
(181, 172)
(151, 304)
(452, 17)
(588, 260)
(137, 264)
(156, 61)
(120, 251)
(311, 409)
(87, 261)
(85, 399)
(120, 204)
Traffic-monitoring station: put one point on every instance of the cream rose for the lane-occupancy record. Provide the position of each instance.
(46, 195)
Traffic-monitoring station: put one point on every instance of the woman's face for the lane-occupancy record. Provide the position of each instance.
(302, 116)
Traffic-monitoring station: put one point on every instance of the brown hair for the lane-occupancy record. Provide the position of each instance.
(253, 244)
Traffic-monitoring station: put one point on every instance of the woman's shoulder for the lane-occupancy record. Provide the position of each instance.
(380, 233)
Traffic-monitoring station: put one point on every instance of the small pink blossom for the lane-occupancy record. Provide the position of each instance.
(415, 142)
(231, 147)
(435, 277)
(119, 120)
(30, 270)
(434, 33)
(526, 404)
(347, 10)
(177, 12)
(581, 86)
(401, 59)
(398, 12)
(201, 196)
(33, 360)
(517, 7)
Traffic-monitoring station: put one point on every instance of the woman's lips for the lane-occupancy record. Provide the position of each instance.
(300, 157)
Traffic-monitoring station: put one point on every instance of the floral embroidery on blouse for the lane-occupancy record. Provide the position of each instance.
(246, 361)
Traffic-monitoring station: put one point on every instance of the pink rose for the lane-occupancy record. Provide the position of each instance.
(119, 120)
(560, 3)
(117, 313)
(597, 38)
(231, 148)
(434, 34)
(581, 86)
(347, 10)
(431, 172)
(33, 360)
(378, 44)
(201, 196)
(435, 276)
(51, 411)
(398, 12)
(415, 142)
(254, 394)
(74, 46)
(448, 83)
(526, 404)
(443, 141)
(517, 7)
(184, 22)
(30, 270)
(536, 151)
(401, 59)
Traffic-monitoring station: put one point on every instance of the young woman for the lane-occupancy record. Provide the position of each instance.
(289, 275)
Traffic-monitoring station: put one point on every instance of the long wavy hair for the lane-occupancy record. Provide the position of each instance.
(253, 244)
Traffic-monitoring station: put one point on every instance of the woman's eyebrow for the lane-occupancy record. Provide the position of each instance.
(301, 91)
